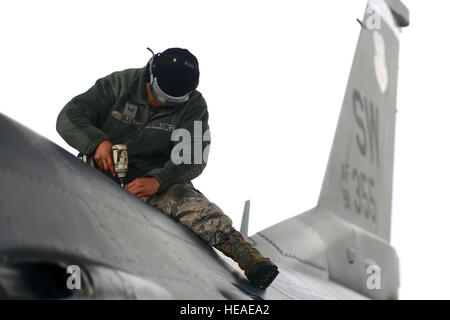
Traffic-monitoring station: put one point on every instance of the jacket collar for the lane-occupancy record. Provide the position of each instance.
(137, 88)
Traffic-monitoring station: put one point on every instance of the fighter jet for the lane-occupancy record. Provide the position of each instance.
(67, 232)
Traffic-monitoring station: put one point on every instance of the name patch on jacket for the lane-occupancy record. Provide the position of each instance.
(126, 119)
(161, 126)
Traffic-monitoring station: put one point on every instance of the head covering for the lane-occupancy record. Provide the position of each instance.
(176, 71)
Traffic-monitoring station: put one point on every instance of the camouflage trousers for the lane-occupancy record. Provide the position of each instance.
(189, 206)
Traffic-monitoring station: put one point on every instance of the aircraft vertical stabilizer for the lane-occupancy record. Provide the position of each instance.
(345, 238)
(358, 180)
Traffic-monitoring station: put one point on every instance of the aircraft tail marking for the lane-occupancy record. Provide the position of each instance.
(358, 180)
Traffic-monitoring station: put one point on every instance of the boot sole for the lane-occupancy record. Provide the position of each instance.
(263, 274)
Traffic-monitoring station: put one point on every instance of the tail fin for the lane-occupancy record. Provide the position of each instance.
(346, 237)
(358, 179)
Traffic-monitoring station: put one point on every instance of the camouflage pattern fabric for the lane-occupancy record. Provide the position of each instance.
(189, 206)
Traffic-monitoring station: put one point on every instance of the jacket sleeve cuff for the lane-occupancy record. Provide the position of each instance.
(95, 141)
(162, 177)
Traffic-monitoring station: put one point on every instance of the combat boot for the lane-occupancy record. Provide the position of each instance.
(260, 271)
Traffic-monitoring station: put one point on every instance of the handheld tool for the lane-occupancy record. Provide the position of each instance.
(120, 158)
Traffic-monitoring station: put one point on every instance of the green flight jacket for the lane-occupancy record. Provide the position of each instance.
(116, 108)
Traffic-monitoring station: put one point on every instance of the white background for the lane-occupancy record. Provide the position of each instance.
(273, 75)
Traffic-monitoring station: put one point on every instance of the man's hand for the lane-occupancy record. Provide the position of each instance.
(103, 157)
(143, 187)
